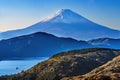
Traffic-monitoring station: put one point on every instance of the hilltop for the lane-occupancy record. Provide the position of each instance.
(67, 64)
(108, 71)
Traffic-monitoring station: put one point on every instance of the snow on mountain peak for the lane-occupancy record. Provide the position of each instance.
(66, 23)
(65, 16)
(61, 11)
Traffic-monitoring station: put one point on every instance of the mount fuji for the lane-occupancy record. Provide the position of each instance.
(66, 23)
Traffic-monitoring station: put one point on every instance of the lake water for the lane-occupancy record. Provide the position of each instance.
(8, 67)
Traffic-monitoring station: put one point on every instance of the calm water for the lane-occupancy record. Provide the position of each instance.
(15, 66)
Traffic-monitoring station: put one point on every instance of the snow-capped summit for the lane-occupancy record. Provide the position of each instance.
(66, 23)
(65, 16)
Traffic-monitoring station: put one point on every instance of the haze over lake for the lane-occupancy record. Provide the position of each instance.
(8, 67)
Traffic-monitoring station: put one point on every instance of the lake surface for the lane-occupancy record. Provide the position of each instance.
(8, 67)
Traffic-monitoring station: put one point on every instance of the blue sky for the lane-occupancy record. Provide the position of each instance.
(15, 14)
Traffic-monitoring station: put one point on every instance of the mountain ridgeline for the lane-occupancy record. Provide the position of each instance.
(68, 27)
(67, 64)
(42, 44)
(66, 23)
(106, 43)
(39, 44)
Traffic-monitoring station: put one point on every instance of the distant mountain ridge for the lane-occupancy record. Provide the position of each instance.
(66, 23)
(39, 44)
(42, 44)
(106, 42)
